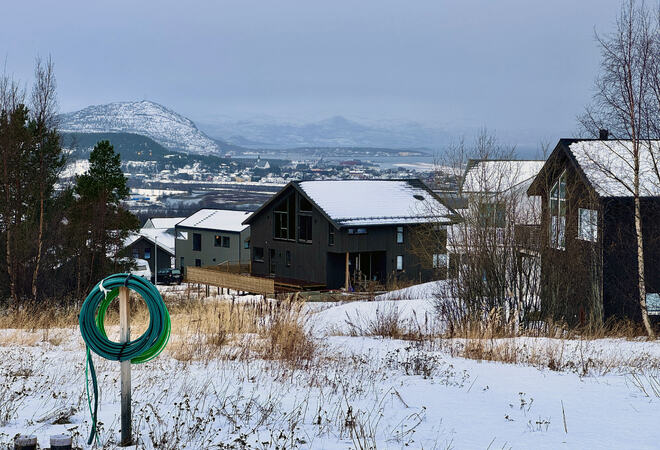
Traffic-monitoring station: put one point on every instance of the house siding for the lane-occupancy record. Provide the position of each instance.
(209, 254)
(571, 278)
(143, 245)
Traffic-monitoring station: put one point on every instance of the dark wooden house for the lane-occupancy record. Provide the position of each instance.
(155, 245)
(338, 233)
(587, 235)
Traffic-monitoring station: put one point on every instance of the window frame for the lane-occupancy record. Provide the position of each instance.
(399, 263)
(590, 234)
(331, 235)
(197, 239)
(255, 258)
(287, 217)
(306, 217)
(399, 234)
(436, 260)
(558, 209)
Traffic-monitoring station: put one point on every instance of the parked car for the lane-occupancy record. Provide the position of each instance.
(141, 268)
(169, 276)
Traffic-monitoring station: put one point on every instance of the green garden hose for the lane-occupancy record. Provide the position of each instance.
(142, 349)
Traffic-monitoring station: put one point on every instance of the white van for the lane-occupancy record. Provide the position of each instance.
(141, 269)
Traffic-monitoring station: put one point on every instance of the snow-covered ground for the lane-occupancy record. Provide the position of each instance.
(361, 392)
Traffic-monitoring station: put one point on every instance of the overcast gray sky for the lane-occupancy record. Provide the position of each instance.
(511, 65)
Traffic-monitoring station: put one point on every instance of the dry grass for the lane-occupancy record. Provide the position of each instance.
(270, 329)
(202, 329)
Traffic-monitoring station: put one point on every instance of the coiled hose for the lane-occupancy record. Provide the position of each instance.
(142, 349)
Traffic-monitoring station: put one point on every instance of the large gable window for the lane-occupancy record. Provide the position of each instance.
(305, 220)
(558, 213)
(588, 224)
(285, 219)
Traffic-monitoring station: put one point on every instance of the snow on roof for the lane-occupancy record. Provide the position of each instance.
(164, 239)
(163, 222)
(499, 175)
(374, 202)
(607, 165)
(217, 219)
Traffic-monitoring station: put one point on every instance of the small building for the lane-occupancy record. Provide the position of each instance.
(155, 245)
(338, 233)
(213, 237)
(587, 232)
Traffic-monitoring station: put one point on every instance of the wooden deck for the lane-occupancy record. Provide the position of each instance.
(214, 276)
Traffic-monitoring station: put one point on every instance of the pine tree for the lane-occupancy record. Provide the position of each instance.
(103, 223)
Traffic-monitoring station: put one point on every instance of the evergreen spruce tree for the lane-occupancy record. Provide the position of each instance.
(101, 221)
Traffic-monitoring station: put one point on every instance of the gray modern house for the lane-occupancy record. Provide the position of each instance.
(338, 233)
(212, 237)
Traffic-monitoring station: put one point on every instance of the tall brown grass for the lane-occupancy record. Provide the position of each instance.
(202, 329)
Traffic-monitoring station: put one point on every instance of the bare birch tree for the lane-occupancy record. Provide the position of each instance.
(47, 157)
(624, 104)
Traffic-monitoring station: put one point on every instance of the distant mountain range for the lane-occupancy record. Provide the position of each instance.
(166, 127)
(218, 137)
(336, 131)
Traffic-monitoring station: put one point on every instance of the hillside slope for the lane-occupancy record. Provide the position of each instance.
(146, 118)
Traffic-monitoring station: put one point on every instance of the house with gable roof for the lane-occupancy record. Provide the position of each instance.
(587, 230)
(212, 237)
(154, 242)
(339, 233)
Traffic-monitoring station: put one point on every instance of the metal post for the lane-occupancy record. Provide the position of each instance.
(125, 336)
(156, 260)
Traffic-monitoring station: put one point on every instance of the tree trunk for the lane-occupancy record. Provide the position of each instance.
(640, 269)
(40, 243)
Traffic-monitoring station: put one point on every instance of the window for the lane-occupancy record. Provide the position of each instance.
(588, 224)
(217, 241)
(288, 258)
(331, 234)
(399, 235)
(305, 205)
(246, 244)
(182, 263)
(361, 231)
(225, 241)
(285, 219)
(258, 254)
(136, 253)
(399, 262)
(440, 261)
(147, 253)
(558, 213)
(197, 242)
(492, 214)
(305, 228)
(198, 263)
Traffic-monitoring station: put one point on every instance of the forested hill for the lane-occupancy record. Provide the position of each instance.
(133, 147)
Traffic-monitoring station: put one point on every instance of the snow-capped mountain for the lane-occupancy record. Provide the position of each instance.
(147, 118)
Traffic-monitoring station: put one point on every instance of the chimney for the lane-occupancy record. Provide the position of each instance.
(603, 134)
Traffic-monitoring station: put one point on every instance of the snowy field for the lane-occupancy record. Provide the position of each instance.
(357, 392)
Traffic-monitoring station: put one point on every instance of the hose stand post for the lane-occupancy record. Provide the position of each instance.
(124, 338)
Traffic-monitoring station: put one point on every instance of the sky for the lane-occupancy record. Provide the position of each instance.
(518, 66)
